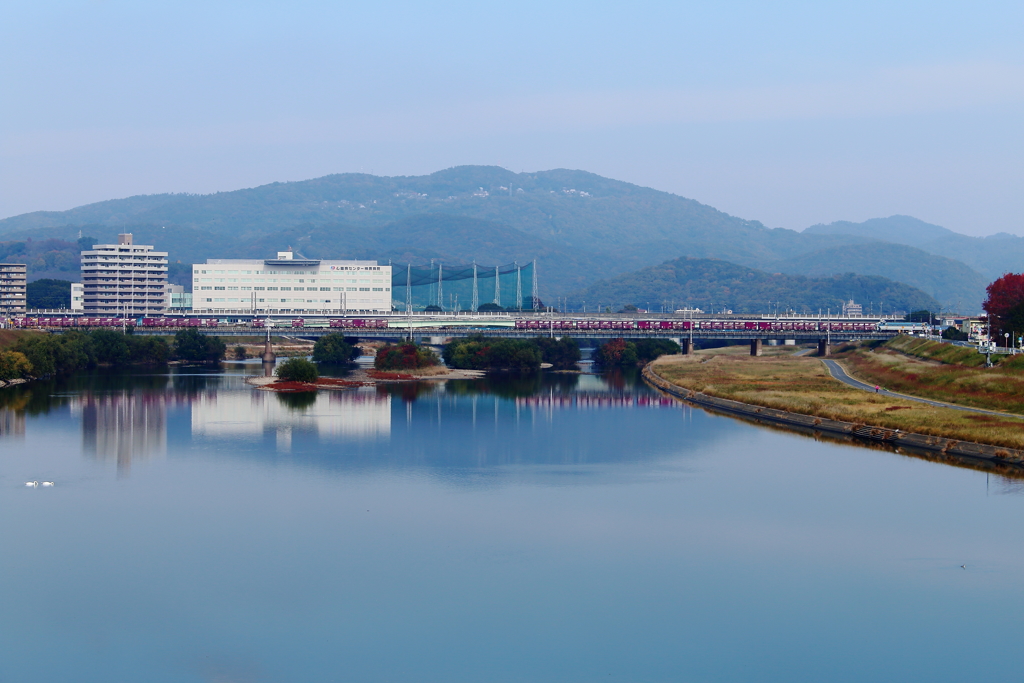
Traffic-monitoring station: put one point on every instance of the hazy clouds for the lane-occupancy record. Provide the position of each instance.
(790, 114)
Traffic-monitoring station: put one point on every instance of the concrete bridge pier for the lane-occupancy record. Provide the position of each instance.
(687, 346)
(755, 347)
(824, 348)
(268, 351)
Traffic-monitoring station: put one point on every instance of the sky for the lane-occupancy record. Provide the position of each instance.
(790, 113)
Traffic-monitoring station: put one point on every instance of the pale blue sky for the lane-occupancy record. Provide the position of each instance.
(788, 113)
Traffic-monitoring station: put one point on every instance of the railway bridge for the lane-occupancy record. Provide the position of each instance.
(439, 329)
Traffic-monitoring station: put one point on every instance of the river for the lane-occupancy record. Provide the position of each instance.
(550, 528)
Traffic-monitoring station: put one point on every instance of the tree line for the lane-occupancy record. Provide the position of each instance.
(43, 355)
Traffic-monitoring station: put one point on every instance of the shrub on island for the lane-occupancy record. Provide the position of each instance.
(333, 349)
(404, 357)
(297, 370)
(486, 353)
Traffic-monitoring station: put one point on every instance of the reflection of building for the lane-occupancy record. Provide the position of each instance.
(362, 413)
(12, 423)
(123, 426)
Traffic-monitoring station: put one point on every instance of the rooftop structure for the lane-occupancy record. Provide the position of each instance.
(12, 288)
(124, 279)
(291, 285)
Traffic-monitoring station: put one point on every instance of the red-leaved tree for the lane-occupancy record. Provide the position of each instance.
(1004, 295)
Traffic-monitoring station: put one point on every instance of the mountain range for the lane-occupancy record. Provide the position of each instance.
(580, 227)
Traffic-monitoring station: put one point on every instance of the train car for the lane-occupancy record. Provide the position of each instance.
(210, 322)
(336, 322)
(260, 324)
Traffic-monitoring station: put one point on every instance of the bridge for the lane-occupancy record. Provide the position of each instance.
(436, 332)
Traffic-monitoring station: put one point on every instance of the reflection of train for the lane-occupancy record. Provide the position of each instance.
(702, 325)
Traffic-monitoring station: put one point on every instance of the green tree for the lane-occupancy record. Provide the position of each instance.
(332, 349)
(48, 293)
(953, 334)
(297, 370)
(110, 347)
(487, 353)
(148, 350)
(40, 350)
(14, 365)
(563, 354)
(239, 352)
(192, 346)
(616, 353)
(404, 357)
(650, 349)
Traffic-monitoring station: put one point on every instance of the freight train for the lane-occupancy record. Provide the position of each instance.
(700, 325)
(540, 325)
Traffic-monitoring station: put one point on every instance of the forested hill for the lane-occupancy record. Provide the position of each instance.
(579, 226)
(710, 284)
(992, 256)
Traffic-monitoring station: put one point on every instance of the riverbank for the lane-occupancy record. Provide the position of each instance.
(802, 386)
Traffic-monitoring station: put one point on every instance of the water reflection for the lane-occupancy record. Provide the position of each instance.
(358, 414)
(12, 423)
(123, 426)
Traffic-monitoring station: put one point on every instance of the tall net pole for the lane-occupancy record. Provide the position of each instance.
(476, 293)
(536, 290)
(519, 287)
(440, 286)
(408, 290)
(497, 286)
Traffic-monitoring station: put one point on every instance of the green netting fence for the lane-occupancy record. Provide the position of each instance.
(460, 287)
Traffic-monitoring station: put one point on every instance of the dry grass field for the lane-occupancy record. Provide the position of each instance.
(939, 371)
(803, 385)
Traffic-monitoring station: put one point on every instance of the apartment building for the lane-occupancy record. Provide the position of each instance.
(290, 285)
(124, 279)
(12, 288)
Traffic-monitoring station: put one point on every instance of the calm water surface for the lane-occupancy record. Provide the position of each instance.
(553, 528)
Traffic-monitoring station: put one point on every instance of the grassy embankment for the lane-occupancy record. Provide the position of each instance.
(938, 371)
(803, 385)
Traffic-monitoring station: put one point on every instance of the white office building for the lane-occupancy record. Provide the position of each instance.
(77, 297)
(124, 279)
(290, 285)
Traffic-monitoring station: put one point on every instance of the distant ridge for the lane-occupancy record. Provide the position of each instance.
(579, 226)
(710, 284)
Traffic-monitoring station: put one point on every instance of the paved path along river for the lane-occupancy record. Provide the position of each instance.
(838, 372)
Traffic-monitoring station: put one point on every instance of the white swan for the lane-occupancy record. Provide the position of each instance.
(33, 484)
(47, 483)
